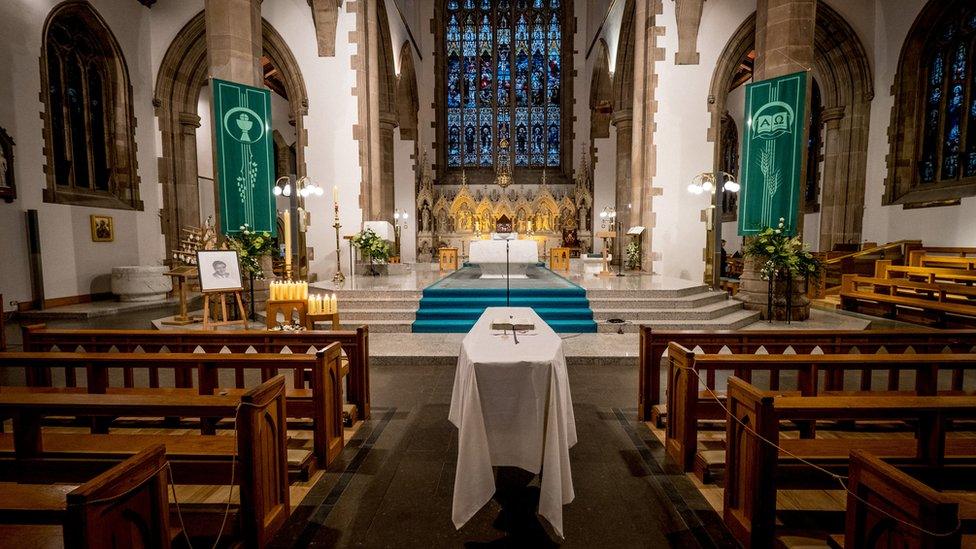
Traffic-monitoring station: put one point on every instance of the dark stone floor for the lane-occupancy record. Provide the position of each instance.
(393, 484)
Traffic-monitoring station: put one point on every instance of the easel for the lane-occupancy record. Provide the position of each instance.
(208, 324)
(181, 276)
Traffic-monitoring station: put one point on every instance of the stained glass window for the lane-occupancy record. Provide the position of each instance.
(504, 83)
(948, 124)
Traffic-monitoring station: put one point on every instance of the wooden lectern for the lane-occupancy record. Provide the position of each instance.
(607, 237)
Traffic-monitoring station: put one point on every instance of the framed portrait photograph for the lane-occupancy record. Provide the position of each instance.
(220, 271)
(102, 228)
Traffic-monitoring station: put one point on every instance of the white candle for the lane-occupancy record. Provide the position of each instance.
(335, 194)
(333, 304)
(287, 242)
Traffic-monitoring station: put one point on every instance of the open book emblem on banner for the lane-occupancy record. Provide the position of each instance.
(773, 120)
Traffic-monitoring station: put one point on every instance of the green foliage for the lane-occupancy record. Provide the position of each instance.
(633, 255)
(371, 245)
(251, 246)
(779, 254)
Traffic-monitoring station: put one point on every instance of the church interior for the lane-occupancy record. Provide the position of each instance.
(488, 273)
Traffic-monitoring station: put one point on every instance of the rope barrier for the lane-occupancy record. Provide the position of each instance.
(839, 478)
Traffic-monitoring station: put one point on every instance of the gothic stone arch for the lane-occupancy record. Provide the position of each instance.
(182, 75)
(841, 68)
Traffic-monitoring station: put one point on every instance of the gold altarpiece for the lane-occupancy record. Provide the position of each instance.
(552, 215)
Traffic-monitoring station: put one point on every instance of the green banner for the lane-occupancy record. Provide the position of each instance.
(245, 161)
(772, 154)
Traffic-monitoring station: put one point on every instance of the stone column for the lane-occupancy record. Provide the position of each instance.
(234, 40)
(385, 193)
(623, 121)
(784, 44)
(187, 184)
(834, 196)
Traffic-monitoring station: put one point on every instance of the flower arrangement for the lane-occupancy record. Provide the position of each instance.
(633, 255)
(780, 254)
(371, 245)
(251, 246)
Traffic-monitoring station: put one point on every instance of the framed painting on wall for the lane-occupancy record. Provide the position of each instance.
(102, 228)
(8, 191)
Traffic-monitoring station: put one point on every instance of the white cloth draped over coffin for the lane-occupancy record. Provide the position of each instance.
(512, 407)
(490, 256)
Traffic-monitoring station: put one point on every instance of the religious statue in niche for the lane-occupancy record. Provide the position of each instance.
(8, 191)
(425, 218)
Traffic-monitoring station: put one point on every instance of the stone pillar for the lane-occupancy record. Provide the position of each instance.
(623, 121)
(187, 184)
(385, 193)
(784, 45)
(834, 197)
(644, 151)
(234, 40)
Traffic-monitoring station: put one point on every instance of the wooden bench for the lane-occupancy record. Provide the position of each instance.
(879, 491)
(883, 269)
(654, 343)
(258, 448)
(322, 402)
(916, 256)
(937, 303)
(124, 507)
(689, 402)
(751, 463)
(355, 346)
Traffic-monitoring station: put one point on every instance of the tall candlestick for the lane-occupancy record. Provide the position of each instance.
(288, 243)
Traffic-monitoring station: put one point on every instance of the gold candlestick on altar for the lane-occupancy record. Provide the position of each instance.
(338, 277)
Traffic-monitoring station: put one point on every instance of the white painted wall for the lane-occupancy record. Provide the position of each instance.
(405, 196)
(73, 264)
(944, 226)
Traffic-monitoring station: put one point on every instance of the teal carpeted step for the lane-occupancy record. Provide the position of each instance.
(464, 326)
(547, 313)
(500, 292)
(483, 302)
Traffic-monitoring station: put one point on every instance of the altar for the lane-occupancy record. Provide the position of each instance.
(490, 256)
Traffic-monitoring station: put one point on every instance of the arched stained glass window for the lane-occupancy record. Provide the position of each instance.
(948, 129)
(503, 83)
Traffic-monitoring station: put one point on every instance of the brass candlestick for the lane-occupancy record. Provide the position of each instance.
(338, 277)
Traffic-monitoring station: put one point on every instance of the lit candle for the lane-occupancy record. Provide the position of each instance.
(335, 194)
(333, 304)
(287, 242)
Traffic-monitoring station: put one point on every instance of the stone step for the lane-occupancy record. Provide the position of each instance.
(636, 303)
(378, 326)
(375, 304)
(710, 311)
(732, 321)
(371, 315)
(647, 293)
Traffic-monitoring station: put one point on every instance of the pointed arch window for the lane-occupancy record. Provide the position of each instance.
(88, 112)
(503, 83)
(933, 134)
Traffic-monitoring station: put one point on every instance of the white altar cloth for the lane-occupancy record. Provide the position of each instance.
(512, 407)
(490, 256)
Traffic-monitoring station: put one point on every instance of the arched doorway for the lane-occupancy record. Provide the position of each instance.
(845, 88)
(181, 80)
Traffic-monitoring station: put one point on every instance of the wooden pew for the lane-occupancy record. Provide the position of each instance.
(355, 345)
(937, 303)
(653, 344)
(751, 464)
(927, 274)
(879, 491)
(915, 256)
(322, 402)
(688, 403)
(124, 507)
(259, 449)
